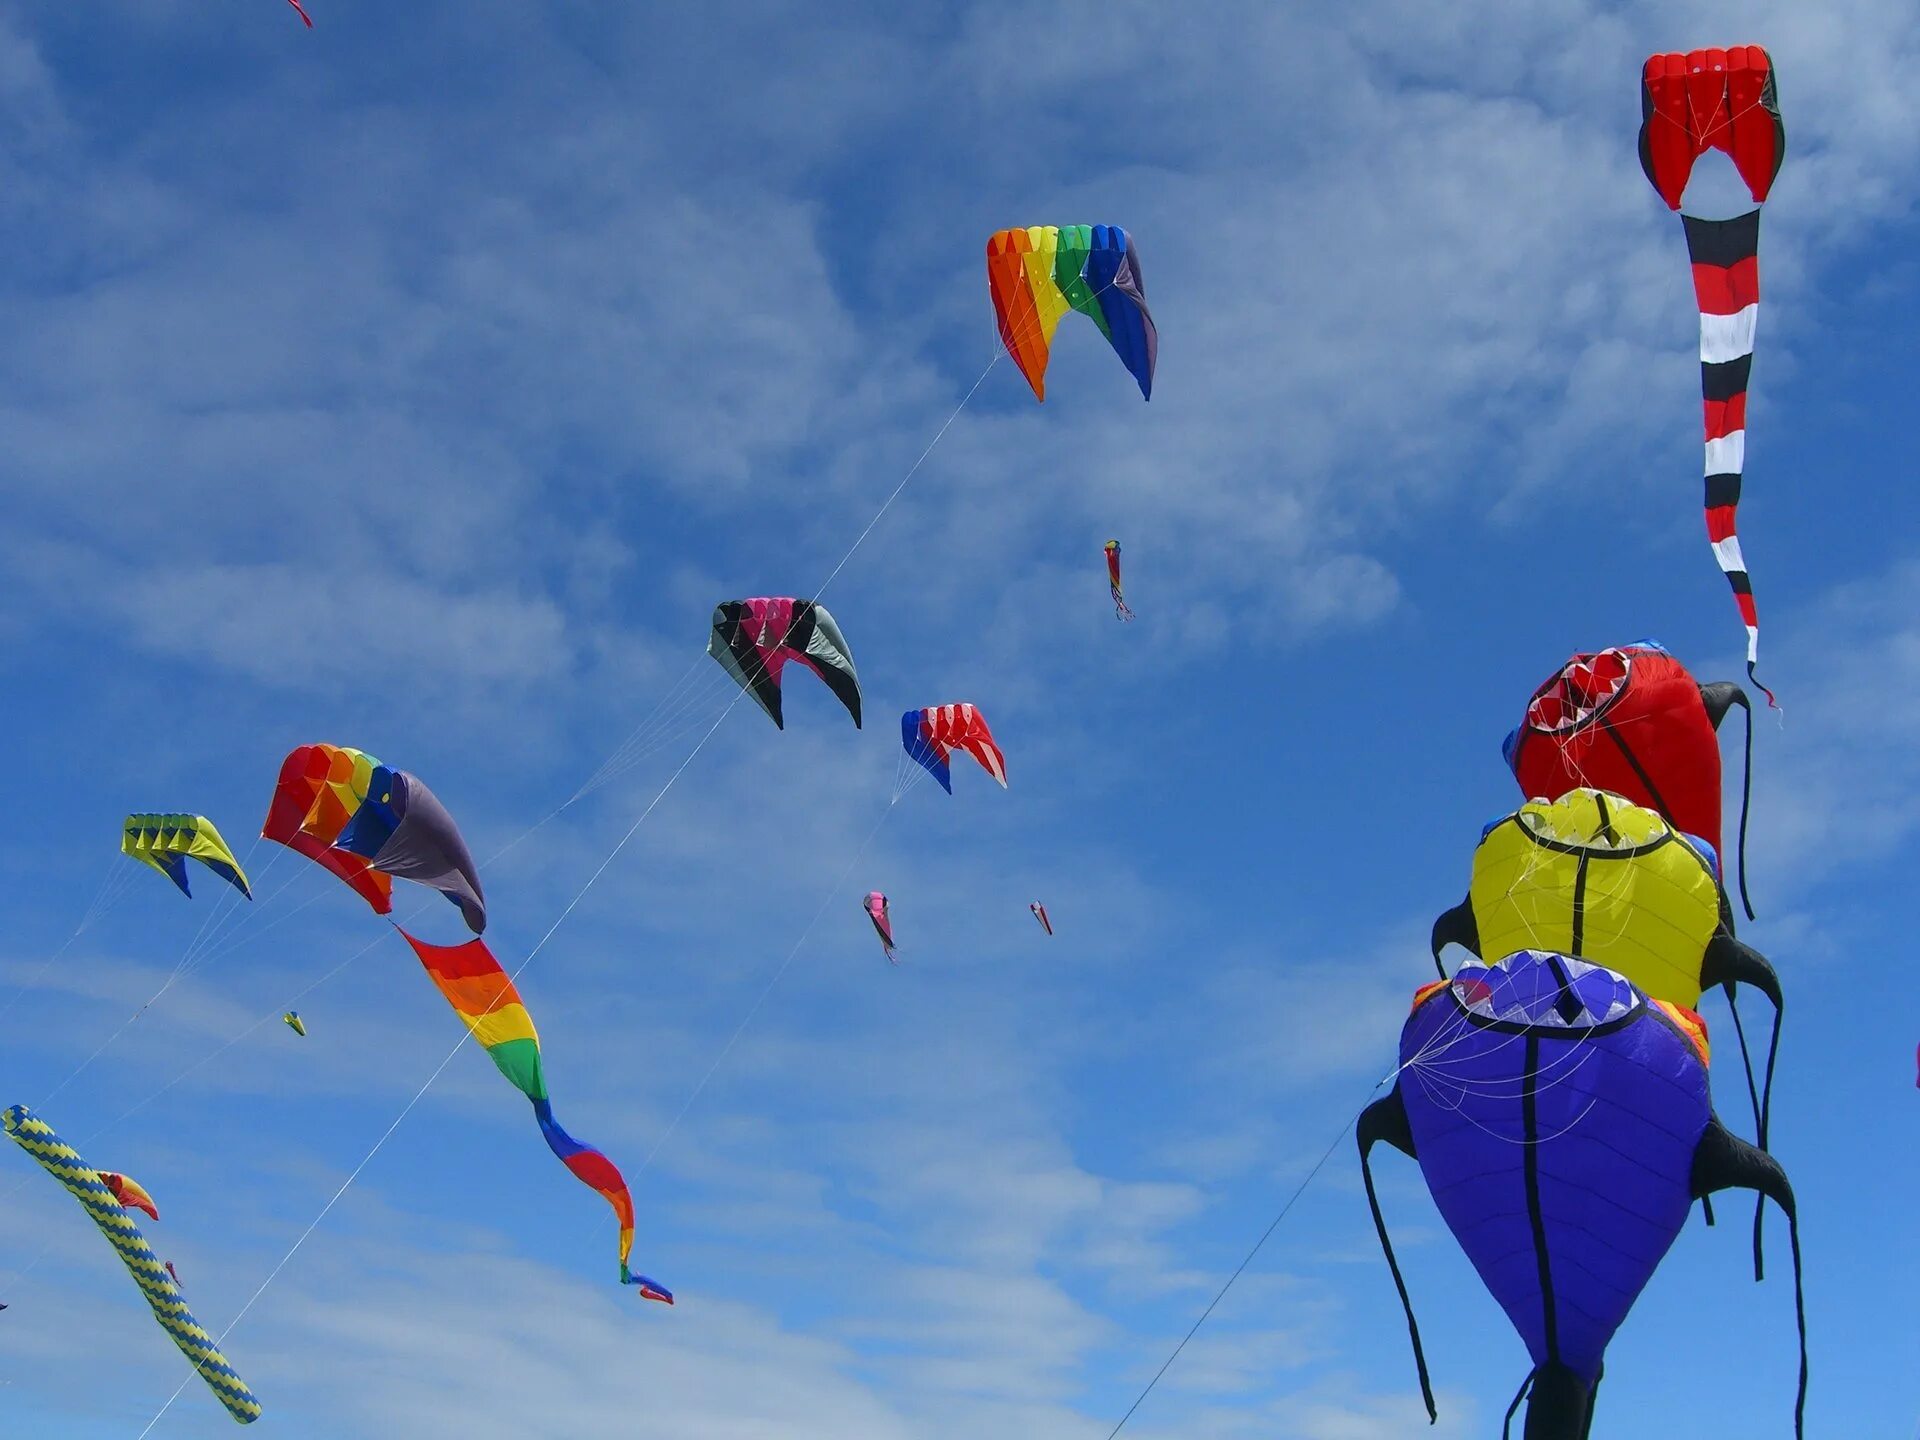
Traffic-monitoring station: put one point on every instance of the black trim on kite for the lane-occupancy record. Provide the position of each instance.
(1723, 243)
(1723, 379)
(1458, 926)
(1723, 492)
(1530, 1177)
(1723, 1161)
(1640, 773)
(1386, 1119)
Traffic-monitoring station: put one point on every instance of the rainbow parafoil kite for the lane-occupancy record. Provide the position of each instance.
(753, 640)
(1563, 1123)
(483, 995)
(1036, 275)
(1690, 104)
(157, 1285)
(1632, 721)
(882, 917)
(343, 809)
(931, 735)
(167, 842)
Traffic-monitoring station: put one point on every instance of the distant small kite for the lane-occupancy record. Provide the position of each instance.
(294, 1023)
(303, 14)
(130, 1193)
(1040, 914)
(1120, 610)
(931, 735)
(882, 917)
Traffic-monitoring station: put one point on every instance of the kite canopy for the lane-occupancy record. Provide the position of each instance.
(1037, 274)
(1563, 1123)
(882, 917)
(931, 735)
(131, 1194)
(161, 1289)
(754, 639)
(367, 822)
(402, 829)
(1612, 882)
(167, 842)
(1631, 721)
(1710, 100)
(1593, 876)
(319, 788)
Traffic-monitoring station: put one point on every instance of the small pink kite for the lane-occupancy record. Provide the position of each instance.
(303, 14)
(882, 917)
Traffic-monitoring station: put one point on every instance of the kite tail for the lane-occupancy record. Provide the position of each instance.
(1726, 283)
(595, 1171)
(162, 1292)
(1120, 610)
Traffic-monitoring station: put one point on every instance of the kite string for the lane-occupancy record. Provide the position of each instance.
(113, 885)
(1273, 1225)
(699, 745)
(460, 1044)
(765, 991)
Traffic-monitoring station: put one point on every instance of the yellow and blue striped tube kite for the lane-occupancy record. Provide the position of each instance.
(63, 1162)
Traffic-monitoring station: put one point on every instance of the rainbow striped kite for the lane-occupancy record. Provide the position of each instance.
(483, 996)
(1038, 274)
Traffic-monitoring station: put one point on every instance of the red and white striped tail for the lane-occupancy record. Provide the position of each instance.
(1726, 283)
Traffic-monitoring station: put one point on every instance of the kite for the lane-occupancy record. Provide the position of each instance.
(1040, 914)
(1690, 104)
(1632, 721)
(1564, 1125)
(1593, 876)
(161, 1290)
(303, 14)
(484, 997)
(130, 1193)
(1120, 610)
(753, 640)
(882, 918)
(167, 842)
(319, 788)
(173, 1272)
(367, 823)
(931, 735)
(1038, 274)
(294, 1023)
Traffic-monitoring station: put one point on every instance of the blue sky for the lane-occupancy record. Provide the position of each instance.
(419, 382)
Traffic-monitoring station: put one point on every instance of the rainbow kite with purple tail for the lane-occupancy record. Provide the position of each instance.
(484, 997)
